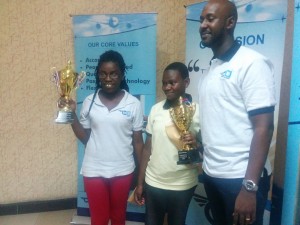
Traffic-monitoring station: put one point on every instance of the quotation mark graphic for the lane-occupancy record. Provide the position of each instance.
(193, 67)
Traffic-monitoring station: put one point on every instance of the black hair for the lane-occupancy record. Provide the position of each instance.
(180, 67)
(117, 58)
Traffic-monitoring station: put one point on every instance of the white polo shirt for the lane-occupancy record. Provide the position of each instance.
(239, 85)
(109, 151)
(162, 170)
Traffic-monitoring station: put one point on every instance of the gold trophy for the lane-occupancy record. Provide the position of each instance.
(66, 81)
(182, 116)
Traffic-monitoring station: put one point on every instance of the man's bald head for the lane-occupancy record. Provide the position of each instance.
(225, 7)
(217, 23)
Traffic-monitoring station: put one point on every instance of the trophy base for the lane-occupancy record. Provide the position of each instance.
(188, 157)
(64, 117)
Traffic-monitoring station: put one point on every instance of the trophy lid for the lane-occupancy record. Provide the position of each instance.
(67, 71)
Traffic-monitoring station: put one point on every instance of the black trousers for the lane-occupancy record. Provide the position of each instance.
(161, 201)
(222, 194)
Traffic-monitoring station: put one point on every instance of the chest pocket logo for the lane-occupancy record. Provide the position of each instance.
(125, 113)
(226, 74)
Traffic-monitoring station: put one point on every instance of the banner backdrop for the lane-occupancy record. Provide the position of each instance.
(134, 36)
(291, 198)
(261, 26)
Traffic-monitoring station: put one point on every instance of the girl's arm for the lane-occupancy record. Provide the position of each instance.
(138, 195)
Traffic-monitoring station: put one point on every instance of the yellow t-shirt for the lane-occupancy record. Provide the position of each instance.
(162, 170)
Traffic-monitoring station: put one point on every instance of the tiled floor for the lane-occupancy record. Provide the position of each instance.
(63, 217)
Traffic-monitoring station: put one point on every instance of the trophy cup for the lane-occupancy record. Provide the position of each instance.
(182, 116)
(66, 81)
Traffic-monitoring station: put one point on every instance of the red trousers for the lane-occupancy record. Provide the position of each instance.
(107, 198)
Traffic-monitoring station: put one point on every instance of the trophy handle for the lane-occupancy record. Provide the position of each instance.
(54, 76)
(80, 78)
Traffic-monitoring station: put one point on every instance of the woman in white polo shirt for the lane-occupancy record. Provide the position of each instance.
(110, 126)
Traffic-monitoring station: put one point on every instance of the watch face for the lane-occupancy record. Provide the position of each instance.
(250, 185)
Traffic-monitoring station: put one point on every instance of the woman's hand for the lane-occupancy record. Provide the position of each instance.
(138, 195)
(69, 103)
(189, 139)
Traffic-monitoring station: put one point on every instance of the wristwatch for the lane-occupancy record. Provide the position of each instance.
(249, 185)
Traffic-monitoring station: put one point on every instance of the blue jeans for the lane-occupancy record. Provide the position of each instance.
(222, 194)
(161, 201)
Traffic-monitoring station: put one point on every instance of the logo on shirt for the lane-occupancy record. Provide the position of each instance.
(226, 74)
(125, 113)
